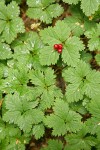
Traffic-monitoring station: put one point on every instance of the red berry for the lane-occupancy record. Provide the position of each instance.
(60, 50)
(60, 46)
(56, 46)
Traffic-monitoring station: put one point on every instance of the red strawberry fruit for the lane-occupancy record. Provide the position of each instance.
(60, 50)
(60, 46)
(56, 46)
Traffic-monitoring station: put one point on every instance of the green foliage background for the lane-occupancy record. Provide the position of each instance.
(41, 89)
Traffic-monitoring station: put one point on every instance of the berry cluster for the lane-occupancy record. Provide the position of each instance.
(58, 48)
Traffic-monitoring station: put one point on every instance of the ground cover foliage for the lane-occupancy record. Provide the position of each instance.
(50, 74)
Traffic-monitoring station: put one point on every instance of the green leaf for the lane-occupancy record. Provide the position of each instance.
(42, 78)
(63, 119)
(7, 130)
(26, 42)
(89, 7)
(48, 56)
(21, 112)
(38, 131)
(97, 57)
(82, 81)
(5, 51)
(93, 35)
(10, 24)
(55, 35)
(70, 54)
(71, 1)
(77, 142)
(29, 118)
(13, 10)
(2, 130)
(2, 25)
(38, 3)
(77, 21)
(76, 77)
(10, 144)
(17, 1)
(56, 123)
(94, 44)
(74, 92)
(9, 34)
(80, 140)
(79, 107)
(98, 142)
(16, 142)
(45, 10)
(93, 125)
(92, 84)
(54, 145)
(54, 10)
(85, 56)
(16, 79)
(60, 34)
(12, 28)
(48, 97)
(44, 82)
(94, 107)
(61, 108)
(1, 74)
(3, 11)
(26, 50)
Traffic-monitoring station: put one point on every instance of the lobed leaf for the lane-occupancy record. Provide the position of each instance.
(89, 7)
(21, 112)
(5, 51)
(54, 144)
(71, 1)
(10, 23)
(97, 57)
(63, 119)
(38, 131)
(60, 33)
(93, 35)
(44, 10)
(70, 54)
